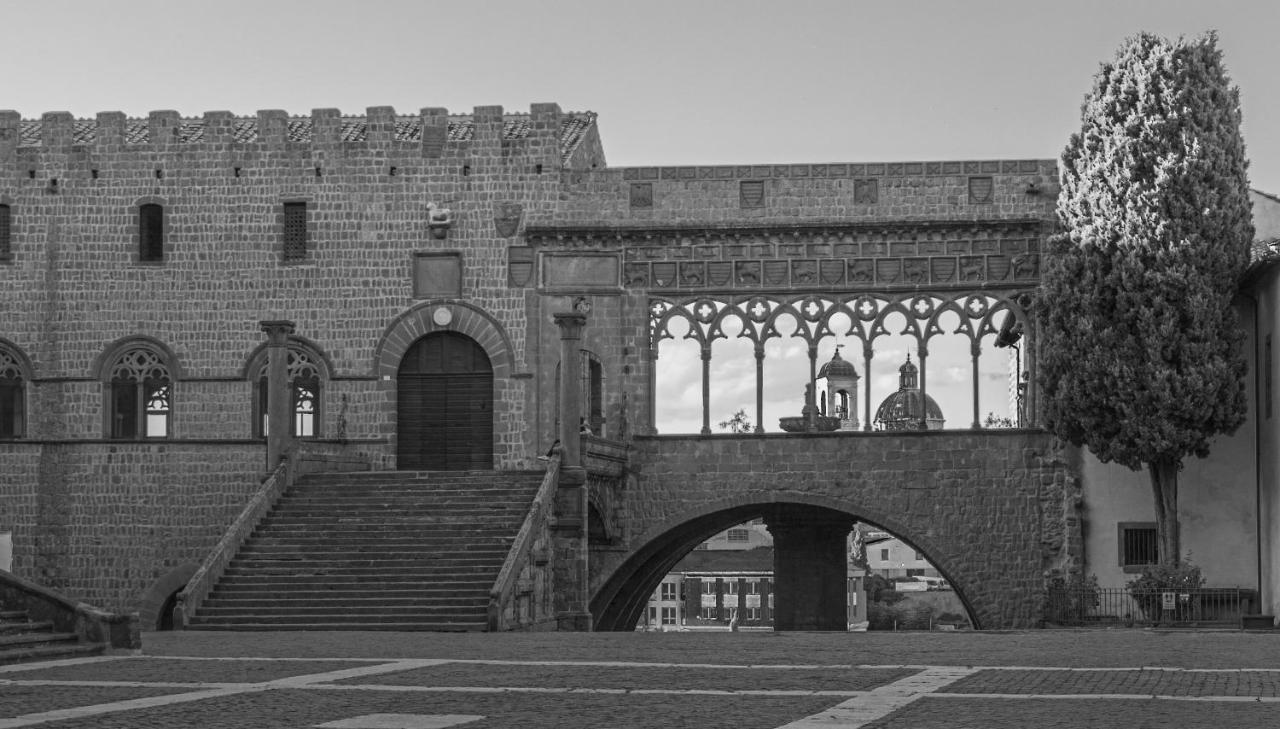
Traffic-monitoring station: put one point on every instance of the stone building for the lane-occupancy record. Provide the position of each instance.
(432, 279)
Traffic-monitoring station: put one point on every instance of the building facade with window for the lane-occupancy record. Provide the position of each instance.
(418, 258)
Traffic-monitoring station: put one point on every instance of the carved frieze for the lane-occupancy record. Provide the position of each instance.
(956, 254)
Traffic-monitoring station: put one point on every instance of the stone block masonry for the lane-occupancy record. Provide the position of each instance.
(991, 510)
(103, 520)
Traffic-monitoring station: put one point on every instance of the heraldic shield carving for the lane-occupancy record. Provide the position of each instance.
(506, 218)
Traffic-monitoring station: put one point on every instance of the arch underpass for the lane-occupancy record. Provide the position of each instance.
(995, 512)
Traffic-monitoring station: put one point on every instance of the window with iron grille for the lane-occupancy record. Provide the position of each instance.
(5, 229)
(150, 232)
(295, 231)
(739, 535)
(1139, 544)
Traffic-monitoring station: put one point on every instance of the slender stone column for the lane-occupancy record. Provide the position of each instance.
(867, 351)
(277, 332)
(760, 387)
(809, 569)
(706, 388)
(975, 349)
(570, 528)
(923, 351)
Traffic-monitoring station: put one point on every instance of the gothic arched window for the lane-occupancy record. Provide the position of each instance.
(141, 395)
(13, 395)
(303, 375)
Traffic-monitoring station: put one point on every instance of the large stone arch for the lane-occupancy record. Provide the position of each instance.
(444, 315)
(996, 511)
(620, 595)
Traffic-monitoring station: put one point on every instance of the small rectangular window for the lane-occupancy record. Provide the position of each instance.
(5, 231)
(668, 591)
(739, 535)
(150, 232)
(708, 587)
(884, 555)
(668, 616)
(919, 556)
(295, 231)
(708, 613)
(1139, 544)
(731, 587)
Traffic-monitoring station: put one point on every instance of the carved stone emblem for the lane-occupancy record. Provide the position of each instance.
(506, 218)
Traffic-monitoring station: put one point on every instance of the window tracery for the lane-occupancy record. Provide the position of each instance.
(303, 375)
(141, 395)
(865, 316)
(12, 395)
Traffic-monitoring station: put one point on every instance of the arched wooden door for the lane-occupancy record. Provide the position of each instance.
(444, 409)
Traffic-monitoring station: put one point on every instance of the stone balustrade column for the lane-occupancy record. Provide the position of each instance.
(277, 332)
(570, 568)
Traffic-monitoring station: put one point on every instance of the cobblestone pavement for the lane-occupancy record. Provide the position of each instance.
(746, 680)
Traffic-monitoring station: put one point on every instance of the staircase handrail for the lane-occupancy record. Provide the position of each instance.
(539, 511)
(90, 624)
(197, 589)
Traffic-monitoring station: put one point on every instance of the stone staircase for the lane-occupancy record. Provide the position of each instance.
(394, 550)
(22, 639)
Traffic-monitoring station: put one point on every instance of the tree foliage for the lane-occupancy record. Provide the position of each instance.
(737, 423)
(1141, 358)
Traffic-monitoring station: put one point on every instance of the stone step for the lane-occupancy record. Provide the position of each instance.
(388, 542)
(296, 592)
(393, 476)
(9, 628)
(339, 617)
(391, 559)
(361, 610)
(36, 638)
(13, 614)
(268, 583)
(49, 651)
(371, 569)
(381, 531)
(409, 626)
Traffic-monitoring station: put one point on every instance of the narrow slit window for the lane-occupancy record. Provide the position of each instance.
(295, 231)
(6, 229)
(151, 232)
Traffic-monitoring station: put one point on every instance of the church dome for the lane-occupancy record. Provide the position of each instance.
(903, 409)
(838, 368)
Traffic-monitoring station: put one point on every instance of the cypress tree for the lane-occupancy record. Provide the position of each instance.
(1141, 353)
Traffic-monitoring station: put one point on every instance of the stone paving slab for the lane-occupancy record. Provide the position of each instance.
(1141, 682)
(294, 709)
(952, 713)
(151, 669)
(633, 677)
(1100, 648)
(17, 700)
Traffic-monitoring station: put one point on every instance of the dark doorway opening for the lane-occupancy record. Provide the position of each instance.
(444, 409)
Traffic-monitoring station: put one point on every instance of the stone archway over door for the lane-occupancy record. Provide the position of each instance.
(444, 405)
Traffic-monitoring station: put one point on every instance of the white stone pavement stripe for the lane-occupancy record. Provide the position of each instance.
(357, 672)
(648, 664)
(219, 691)
(17, 667)
(1120, 697)
(573, 690)
(81, 712)
(880, 702)
(130, 684)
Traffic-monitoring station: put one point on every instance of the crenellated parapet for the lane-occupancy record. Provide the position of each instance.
(544, 133)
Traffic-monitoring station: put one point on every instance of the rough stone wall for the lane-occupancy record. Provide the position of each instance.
(99, 519)
(993, 511)
(75, 284)
(104, 521)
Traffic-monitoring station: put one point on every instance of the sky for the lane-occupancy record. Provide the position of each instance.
(678, 82)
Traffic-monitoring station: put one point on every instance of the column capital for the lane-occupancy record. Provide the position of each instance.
(571, 324)
(277, 330)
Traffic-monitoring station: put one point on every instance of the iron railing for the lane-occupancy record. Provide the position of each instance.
(1121, 607)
